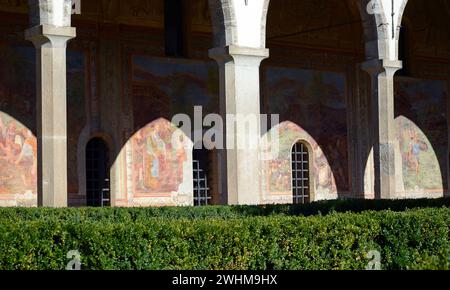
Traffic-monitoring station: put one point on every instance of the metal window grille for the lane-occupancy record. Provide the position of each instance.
(97, 174)
(300, 174)
(202, 194)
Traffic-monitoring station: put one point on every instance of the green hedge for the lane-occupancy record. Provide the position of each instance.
(414, 239)
(223, 212)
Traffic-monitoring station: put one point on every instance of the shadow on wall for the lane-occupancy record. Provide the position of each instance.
(313, 103)
(277, 170)
(421, 124)
(151, 167)
(157, 156)
(18, 146)
(422, 139)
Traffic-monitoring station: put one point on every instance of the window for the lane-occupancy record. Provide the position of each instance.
(97, 173)
(300, 174)
(174, 28)
(202, 191)
(403, 53)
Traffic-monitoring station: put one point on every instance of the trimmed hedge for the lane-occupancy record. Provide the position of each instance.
(222, 212)
(414, 239)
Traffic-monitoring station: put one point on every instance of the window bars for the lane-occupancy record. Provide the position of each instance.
(202, 194)
(300, 174)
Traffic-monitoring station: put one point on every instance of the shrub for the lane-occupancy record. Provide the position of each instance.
(124, 239)
(220, 212)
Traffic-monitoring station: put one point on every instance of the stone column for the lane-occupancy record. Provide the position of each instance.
(50, 32)
(239, 163)
(385, 151)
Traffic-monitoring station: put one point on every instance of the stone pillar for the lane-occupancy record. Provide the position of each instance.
(239, 163)
(385, 151)
(49, 33)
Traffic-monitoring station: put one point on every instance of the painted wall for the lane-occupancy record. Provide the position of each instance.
(312, 106)
(421, 119)
(18, 144)
(158, 158)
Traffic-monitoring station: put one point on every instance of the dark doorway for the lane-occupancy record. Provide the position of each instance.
(97, 173)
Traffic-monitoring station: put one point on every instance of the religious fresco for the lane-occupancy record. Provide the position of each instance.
(316, 102)
(18, 159)
(162, 88)
(161, 162)
(421, 121)
(18, 144)
(277, 168)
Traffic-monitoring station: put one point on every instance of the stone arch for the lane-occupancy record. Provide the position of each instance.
(224, 22)
(377, 28)
(228, 25)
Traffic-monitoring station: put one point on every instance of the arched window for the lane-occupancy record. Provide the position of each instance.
(300, 174)
(202, 190)
(97, 173)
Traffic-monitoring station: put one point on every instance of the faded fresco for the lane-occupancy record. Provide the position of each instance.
(18, 144)
(161, 163)
(421, 120)
(161, 88)
(316, 102)
(277, 171)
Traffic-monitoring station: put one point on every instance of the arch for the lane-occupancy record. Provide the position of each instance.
(231, 18)
(378, 26)
(224, 22)
(85, 136)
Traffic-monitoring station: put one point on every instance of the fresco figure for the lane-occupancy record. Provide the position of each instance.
(158, 164)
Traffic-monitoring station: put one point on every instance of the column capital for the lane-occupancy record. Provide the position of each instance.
(377, 66)
(233, 52)
(56, 35)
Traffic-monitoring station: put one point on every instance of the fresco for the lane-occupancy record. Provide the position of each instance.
(165, 87)
(160, 158)
(18, 144)
(316, 102)
(421, 120)
(162, 88)
(277, 171)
